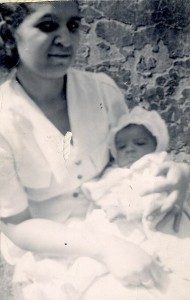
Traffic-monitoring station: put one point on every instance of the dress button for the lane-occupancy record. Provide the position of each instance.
(78, 162)
(79, 176)
(75, 194)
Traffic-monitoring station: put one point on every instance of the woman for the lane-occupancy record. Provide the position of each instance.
(43, 100)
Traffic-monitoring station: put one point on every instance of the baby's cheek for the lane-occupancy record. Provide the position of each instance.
(121, 159)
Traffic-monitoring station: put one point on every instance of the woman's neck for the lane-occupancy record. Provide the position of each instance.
(43, 91)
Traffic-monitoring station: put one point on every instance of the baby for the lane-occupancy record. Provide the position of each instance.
(138, 145)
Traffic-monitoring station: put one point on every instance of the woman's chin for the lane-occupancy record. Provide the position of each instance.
(55, 72)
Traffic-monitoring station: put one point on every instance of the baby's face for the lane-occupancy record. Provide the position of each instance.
(133, 142)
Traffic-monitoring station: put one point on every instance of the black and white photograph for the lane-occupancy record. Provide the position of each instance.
(95, 150)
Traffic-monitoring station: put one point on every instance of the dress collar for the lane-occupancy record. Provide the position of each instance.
(49, 139)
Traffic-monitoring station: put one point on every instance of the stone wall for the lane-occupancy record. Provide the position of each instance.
(145, 46)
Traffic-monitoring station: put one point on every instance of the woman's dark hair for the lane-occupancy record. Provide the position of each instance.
(11, 16)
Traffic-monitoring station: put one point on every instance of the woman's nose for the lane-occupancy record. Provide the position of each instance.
(63, 38)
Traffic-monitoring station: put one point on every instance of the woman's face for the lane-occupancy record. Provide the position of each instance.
(47, 39)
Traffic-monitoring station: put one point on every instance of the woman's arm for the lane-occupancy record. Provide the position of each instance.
(127, 262)
(47, 237)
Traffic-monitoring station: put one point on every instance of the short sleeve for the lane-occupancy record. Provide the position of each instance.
(13, 198)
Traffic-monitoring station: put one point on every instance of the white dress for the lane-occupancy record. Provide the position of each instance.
(33, 168)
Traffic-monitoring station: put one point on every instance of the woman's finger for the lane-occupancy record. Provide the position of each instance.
(186, 209)
(160, 276)
(133, 280)
(152, 210)
(163, 168)
(151, 276)
(169, 215)
(167, 178)
(168, 169)
(132, 283)
(145, 280)
(151, 215)
(169, 201)
(161, 185)
(148, 283)
(157, 273)
(187, 213)
(175, 213)
(177, 221)
(161, 205)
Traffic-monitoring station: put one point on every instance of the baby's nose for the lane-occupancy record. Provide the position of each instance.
(129, 147)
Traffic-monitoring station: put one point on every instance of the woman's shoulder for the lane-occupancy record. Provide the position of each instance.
(5, 85)
(6, 104)
(6, 96)
(99, 77)
(6, 93)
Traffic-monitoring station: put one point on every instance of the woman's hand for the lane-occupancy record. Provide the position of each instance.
(132, 266)
(173, 179)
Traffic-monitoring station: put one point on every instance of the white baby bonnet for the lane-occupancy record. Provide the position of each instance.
(149, 119)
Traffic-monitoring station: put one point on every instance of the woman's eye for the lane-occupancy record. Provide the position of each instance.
(48, 26)
(73, 26)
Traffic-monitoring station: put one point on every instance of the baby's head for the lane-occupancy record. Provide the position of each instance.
(137, 134)
(132, 142)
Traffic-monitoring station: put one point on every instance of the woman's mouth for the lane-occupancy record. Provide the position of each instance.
(60, 56)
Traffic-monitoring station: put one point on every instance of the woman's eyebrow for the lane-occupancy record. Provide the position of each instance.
(76, 18)
(47, 16)
(52, 16)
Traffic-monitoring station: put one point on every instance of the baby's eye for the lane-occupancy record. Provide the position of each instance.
(73, 25)
(140, 143)
(121, 147)
(48, 26)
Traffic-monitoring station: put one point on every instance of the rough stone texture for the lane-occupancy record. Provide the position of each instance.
(144, 45)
